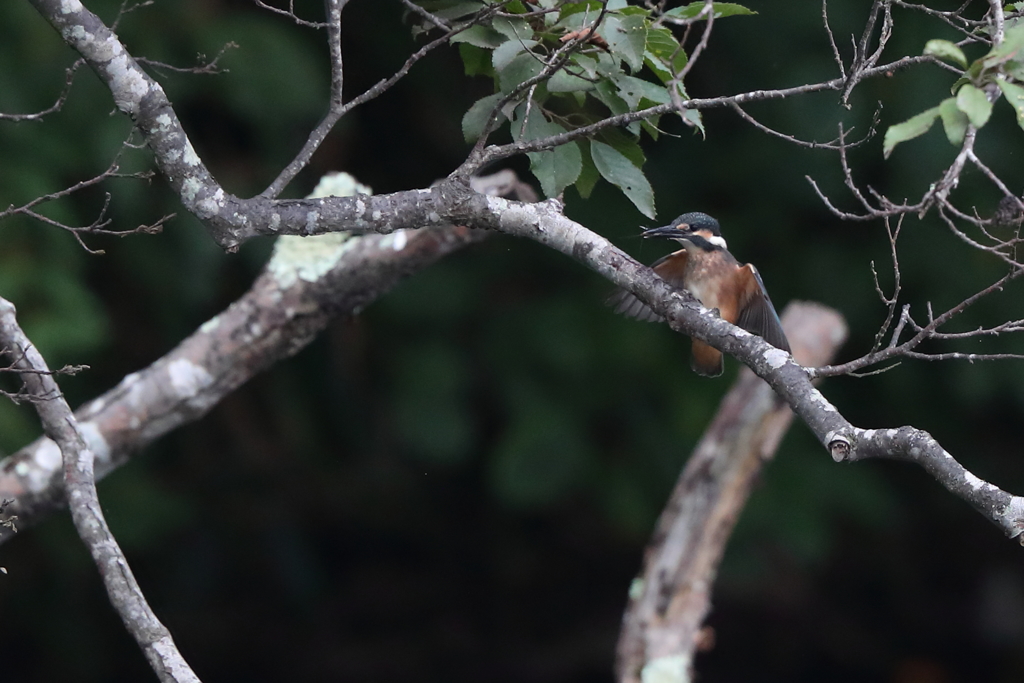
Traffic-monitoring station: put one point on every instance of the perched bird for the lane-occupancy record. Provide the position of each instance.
(705, 268)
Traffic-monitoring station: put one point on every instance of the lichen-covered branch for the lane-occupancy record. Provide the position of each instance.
(306, 284)
(663, 626)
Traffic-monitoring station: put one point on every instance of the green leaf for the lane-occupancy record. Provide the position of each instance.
(480, 36)
(513, 29)
(721, 9)
(567, 82)
(1015, 96)
(908, 130)
(632, 90)
(589, 175)
(606, 64)
(946, 50)
(693, 116)
(954, 121)
(664, 56)
(557, 168)
(508, 50)
(477, 61)
(587, 65)
(973, 102)
(1010, 48)
(564, 81)
(452, 10)
(972, 75)
(621, 172)
(575, 15)
(608, 95)
(522, 68)
(627, 38)
(627, 145)
(475, 119)
(651, 127)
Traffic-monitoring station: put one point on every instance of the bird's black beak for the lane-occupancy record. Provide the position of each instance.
(666, 231)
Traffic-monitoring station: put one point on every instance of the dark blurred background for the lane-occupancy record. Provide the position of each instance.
(457, 485)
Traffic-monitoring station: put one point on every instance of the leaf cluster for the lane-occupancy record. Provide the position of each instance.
(559, 65)
(1001, 70)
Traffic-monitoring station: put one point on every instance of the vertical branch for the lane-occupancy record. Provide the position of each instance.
(998, 21)
(661, 628)
(890, 302)
(832, 39)
(334, 110)
(61, 426)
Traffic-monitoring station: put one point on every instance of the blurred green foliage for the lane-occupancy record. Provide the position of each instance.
(458, 484)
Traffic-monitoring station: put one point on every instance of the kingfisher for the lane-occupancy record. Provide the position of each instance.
(705, 268)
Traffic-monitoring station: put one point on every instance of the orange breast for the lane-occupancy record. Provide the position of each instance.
(711, 280)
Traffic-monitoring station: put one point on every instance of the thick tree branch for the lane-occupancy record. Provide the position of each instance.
(232, 220)
(545, 224)
(670, 599)
(306, 284)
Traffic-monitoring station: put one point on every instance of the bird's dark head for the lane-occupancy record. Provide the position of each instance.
(694, 228)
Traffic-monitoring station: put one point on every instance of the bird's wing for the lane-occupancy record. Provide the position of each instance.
(671, 271)
(757, 314)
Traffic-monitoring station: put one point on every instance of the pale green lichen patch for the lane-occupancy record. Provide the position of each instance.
(210, 325)
(210, 206)
(670, 669)
(36, 474)
(191, 158)
(95, 439)
(310, 258)
(78, 33)
(776, 358)
(129, 85)
(189, 189)
(188, 378)
(396, 240)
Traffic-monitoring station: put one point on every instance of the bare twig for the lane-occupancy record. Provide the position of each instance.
(99, 224)
(69, 78)
(290, 13)
(709, 12)
(832, 39)
(890, 302)
(338, 108)
(954, 18)
(924, 333)
(837, 143)
(432, 18)
(205, 66)
(335, 108)
(862, 61)
(496, 152)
